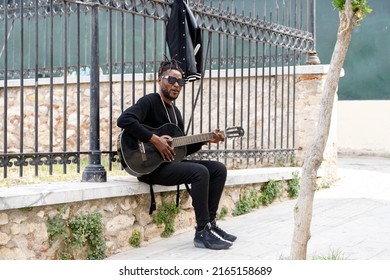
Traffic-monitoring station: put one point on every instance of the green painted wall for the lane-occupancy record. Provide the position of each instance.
(367, 65)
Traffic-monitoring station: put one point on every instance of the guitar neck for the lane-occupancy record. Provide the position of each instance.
(192, 139)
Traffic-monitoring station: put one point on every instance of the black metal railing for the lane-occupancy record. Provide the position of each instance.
(68, 68)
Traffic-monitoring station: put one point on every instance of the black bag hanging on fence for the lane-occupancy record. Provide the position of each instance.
(184, 40)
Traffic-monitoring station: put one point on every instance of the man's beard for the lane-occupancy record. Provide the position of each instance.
(168, 96)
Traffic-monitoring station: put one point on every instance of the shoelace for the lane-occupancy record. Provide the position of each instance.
(213, 233)
(215, 227)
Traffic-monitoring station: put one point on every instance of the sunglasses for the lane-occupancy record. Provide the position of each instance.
(173, 80)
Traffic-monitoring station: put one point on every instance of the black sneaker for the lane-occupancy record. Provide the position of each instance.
(207, 238)
(221, 232)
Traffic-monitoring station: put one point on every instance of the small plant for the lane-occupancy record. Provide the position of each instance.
(242, 206)
(26, 209)
(323, 185)
(294, 185)
(222, 214)
(56, 229)
(135, 239)
(333, 255)
(248, 202)
(270, 192)
(87, 231)
(166, 215)
(79, 232)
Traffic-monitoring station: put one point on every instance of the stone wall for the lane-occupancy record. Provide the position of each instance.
(24, 232)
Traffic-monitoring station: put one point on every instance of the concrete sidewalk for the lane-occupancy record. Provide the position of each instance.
(352, 217)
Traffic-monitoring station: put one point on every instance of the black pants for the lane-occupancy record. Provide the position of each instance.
(207, 179)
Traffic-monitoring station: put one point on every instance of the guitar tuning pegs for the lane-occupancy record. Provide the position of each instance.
(236, 131)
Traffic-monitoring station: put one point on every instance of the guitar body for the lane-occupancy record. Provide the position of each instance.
(140, 158)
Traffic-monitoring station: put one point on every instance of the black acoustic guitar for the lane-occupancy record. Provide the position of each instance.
(140, 158)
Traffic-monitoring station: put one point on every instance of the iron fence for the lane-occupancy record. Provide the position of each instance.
(68, 69)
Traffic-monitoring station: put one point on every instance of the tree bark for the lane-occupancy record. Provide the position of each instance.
(303, 209)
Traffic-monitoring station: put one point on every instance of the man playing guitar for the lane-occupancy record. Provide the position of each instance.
(207, 178)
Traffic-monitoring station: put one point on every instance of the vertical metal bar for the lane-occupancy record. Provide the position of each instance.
(262, 98)
(301, 14)
(154, 53)
(295, 13)
(29, 44)
(144, 53)
(283, 85)
(269, 86)
(5, 139)
(218, 82)
(234, 84)
(36, 105)
(64, 148)
(289, 80)
(256, 99)
(226, 87)
(123, 59)
(293, 98)
(51, 86)
(255, 89)
(249, 97)
(210, 80)
(234, 78)
(288, 100)
(110, 85)
(242, 90)
(276, 82)
(269, 94)
(78, 50)
(313, 22)
(94, 171)
(21, 140)
(133, 59)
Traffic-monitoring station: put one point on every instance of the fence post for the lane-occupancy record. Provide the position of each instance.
(94, 171)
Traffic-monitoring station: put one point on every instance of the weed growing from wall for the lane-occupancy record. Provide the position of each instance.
(249, 201)
(166, 215)
(135, 239)
(83, 232)
(270, 192)
(223, 213)
(294, 185)
(255, 198)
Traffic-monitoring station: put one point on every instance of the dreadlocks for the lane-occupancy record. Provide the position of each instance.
(167, 64)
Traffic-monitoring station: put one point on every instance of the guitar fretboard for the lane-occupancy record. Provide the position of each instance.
(192, 139)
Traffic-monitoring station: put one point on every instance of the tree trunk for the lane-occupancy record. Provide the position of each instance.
(303, 210)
